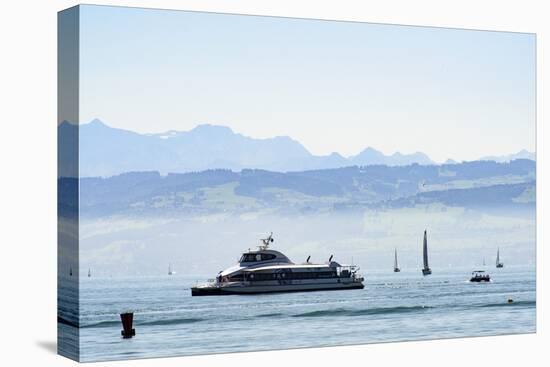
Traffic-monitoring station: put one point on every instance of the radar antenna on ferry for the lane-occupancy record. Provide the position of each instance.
(266, 241)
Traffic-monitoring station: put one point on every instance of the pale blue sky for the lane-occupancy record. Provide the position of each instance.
(333, 86)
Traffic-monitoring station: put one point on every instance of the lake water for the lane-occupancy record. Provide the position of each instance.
(392, 307)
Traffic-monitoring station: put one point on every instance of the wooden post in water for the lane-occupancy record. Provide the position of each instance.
(127, 319)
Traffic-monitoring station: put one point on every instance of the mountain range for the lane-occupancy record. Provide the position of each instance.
(522, 154)
(480, 184)
(106, 151)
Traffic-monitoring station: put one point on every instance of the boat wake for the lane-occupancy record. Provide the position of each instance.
(101, 324)
(267, 315)
(513, 304)
(363, 312)
(178, 321)
(161, 322)
(336, 312)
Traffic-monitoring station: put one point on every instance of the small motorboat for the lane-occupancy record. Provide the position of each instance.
(479, 276)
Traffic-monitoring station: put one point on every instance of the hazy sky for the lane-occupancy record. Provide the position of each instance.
(333, 86)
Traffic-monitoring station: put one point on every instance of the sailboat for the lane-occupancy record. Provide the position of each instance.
(89, 273)
(71, 271)
(170, 272)
(426, 270)
(498, 263)
(395, 265)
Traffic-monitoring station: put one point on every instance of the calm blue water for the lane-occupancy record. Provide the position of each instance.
(392, 307)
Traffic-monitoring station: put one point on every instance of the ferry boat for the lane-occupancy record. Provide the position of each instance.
(270, 271)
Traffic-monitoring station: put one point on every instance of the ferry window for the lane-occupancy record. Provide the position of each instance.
(256, 257)
(312, 275)
(259, 276)
(247, 258)
(236, 277)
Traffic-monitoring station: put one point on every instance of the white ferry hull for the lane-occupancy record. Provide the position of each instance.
(216, 290)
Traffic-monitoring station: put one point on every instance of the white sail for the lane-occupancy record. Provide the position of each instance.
(395, 265)
(425, 250)
(499, 264)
